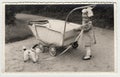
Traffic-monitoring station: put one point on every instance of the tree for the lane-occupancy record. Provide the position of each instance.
(9, 14)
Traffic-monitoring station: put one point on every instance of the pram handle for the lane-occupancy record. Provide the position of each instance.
(72, 12)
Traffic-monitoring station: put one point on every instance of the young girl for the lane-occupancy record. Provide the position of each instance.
(88, 35)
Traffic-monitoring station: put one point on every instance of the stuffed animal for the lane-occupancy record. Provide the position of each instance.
(31, 54)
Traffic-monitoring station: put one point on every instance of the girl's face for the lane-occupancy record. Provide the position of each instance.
(84, 11)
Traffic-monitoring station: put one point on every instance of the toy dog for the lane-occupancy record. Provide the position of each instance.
(32, 53)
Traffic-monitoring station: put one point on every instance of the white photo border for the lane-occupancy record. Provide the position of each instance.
(64, 74)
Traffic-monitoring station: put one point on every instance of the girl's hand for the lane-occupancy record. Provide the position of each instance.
(78, 29)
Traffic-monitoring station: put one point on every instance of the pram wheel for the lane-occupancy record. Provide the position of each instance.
(41, 48)
(75, 45)
(52, 50)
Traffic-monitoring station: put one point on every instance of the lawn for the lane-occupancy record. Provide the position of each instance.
(18, 32)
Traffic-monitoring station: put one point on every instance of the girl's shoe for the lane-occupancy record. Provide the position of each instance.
(87, 57)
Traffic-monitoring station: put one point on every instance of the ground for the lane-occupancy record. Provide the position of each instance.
(71, 61)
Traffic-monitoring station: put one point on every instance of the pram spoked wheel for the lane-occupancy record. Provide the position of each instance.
(75, 45)
(52, 50)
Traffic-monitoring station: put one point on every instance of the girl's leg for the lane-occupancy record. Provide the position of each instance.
(89, 42)
(88, 53)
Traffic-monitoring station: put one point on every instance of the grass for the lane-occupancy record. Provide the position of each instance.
(18, 32)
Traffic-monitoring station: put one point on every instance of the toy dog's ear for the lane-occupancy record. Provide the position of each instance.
(24, 48)
(34, 46)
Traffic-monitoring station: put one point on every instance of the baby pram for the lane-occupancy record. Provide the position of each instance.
(56, 33)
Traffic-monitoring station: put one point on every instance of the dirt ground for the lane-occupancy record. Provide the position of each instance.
(71, 61)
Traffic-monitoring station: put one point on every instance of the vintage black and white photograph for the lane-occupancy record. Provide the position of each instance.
(57, 37)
